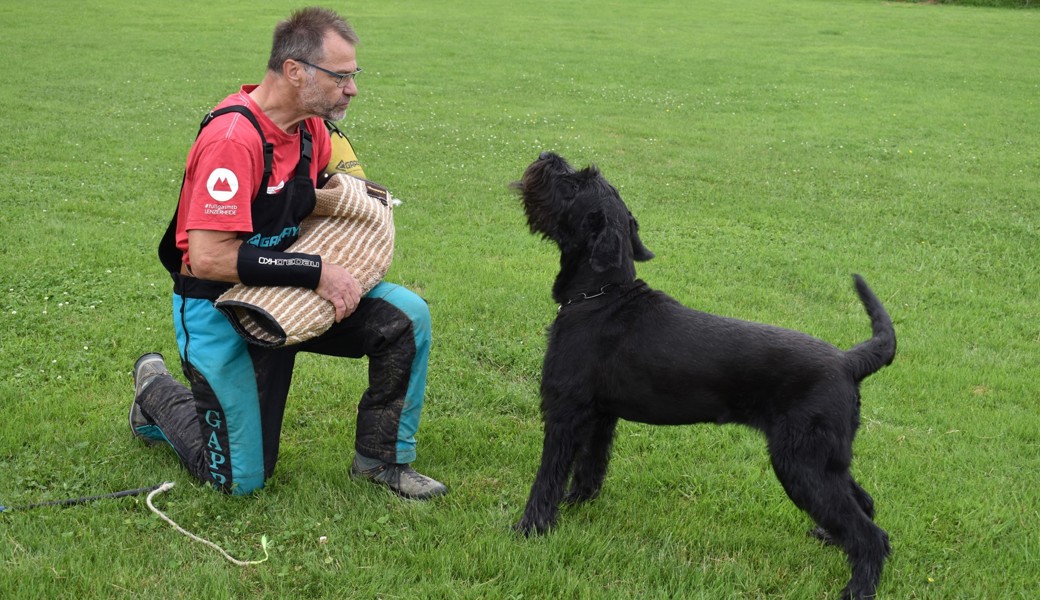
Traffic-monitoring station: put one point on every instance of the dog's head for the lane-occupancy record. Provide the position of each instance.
(581, 212)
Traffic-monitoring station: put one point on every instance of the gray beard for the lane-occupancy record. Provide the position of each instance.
(315, 103)
(335, 115)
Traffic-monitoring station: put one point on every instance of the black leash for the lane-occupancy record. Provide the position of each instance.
(81, 500)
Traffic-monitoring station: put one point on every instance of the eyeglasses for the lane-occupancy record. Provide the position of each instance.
(342, 79)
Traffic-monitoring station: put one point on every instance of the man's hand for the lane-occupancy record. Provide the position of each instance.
(340, 288)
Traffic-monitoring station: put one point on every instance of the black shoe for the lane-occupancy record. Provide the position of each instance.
(146, 369)
(402, 479)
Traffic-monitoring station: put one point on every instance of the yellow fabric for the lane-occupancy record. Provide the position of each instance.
(343, 159)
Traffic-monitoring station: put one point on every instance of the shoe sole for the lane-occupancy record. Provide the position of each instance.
(138, 365)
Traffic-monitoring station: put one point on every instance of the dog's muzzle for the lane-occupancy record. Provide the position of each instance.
(550, 160)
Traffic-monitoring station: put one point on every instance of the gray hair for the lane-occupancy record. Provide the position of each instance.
(300, 36)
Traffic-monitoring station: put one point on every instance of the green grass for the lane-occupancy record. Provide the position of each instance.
(768, 149)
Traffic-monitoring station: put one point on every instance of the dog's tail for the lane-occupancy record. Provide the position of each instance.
(869, 356)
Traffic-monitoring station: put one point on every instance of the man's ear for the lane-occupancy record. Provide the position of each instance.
(604, 242)
(639, 252)
(293, 72)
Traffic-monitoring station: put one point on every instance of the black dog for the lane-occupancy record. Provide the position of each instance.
(619, 349)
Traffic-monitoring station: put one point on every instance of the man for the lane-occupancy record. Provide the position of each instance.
(248, 182)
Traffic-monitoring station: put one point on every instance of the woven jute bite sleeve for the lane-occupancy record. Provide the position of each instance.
(352, 226)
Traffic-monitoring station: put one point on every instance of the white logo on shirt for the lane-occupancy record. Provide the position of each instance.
(277, 188)
(222, 185)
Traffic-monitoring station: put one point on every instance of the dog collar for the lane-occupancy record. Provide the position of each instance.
(588, 296)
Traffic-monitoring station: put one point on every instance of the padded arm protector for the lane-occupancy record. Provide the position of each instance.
(258, 266)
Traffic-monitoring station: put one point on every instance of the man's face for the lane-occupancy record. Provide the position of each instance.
(319, 95)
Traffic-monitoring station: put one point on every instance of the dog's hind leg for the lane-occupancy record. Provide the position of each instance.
(590, 465)
(862, 498)
(865, 543)
(558, 451)
(820, 487)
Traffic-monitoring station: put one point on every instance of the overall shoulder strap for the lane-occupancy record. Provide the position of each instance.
(169, 255)
(303, 168)
(248, 114)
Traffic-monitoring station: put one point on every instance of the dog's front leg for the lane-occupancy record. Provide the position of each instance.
(547, 490)
(593, 456)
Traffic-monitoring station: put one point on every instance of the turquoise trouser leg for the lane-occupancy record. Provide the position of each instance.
(224, 382)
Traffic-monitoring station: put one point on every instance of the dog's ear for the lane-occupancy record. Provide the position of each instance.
(639, 252)
(605, 251)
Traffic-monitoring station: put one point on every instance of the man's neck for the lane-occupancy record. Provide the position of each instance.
(274, 97)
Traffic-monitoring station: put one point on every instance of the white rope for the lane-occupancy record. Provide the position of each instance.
(242, 563)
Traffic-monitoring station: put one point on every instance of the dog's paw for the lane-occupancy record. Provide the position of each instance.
(528, 527)
(822, 535)
(580, 496)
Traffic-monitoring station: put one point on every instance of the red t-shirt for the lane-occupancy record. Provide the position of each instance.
(226, 163)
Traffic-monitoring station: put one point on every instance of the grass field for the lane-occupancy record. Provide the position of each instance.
(768, 149)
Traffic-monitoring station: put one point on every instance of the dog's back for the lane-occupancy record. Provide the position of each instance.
(653, 360)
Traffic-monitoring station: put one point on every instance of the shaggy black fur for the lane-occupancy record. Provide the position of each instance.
(619, 349)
